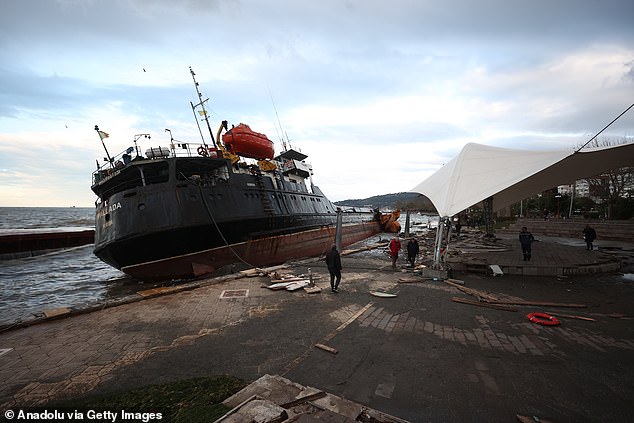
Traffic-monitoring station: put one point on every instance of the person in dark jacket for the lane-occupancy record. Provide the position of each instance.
(526, 239)
(458, 227)
(589, 235)
(333, 261)
(412, 251)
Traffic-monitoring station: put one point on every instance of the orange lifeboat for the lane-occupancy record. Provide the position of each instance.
(241, 140)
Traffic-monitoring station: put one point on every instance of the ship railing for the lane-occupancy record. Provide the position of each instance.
(131, 154)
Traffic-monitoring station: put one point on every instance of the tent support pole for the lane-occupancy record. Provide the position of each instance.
(407, 223)
(439, 231)
(572, 198)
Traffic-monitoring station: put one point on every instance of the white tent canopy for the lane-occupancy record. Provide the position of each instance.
(509, 175)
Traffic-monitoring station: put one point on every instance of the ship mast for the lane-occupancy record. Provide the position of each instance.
(103, 135)
(202, 105)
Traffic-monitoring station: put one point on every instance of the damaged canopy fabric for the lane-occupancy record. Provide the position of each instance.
(510, 175)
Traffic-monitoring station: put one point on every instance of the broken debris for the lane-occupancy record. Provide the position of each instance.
(326, 348)
(382, 294)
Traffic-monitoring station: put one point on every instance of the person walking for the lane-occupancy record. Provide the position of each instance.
(412, 251)
(395, 247)
(589, 235)
(333, 261)
(526, 239)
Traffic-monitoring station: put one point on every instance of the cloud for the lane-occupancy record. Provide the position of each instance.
(377, 93)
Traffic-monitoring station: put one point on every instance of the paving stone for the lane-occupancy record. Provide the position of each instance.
(191, 333)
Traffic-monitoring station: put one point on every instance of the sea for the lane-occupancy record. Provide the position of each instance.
(73, 277)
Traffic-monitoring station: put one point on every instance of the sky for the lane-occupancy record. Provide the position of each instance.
(378, 94)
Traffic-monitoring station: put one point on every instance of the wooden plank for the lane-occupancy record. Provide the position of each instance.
(293, 279)
(304, 400)
(326, 348)
(535, 303)
(56, 312)
(556, 314)
(480, 304)
(158, 291)
(251, 272)
(312, 290)
(526, 419)
(410, 280)
(471, 291)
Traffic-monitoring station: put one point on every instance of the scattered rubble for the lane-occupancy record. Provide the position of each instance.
(279, 400)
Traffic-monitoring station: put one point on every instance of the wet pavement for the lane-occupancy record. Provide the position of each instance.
(419, 356)
(551, 256)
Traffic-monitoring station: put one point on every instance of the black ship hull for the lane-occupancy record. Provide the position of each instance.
(189, 239)
(154, 210)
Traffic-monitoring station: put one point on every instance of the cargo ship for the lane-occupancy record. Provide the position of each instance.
(188, 209)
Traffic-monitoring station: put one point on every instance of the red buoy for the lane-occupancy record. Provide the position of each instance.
(543, 319)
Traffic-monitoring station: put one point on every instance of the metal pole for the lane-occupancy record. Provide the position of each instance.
(104, 145)
(202, 105)
(198, 124)
(407, 224)
(449, 227)
(572, 197)
(439, 231)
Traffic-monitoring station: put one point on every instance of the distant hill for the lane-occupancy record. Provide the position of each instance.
(401, 200)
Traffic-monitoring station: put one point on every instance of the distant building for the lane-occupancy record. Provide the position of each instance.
(581, 187)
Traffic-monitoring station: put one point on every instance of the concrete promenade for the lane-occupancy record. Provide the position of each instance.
(551, 256)
(419, 356)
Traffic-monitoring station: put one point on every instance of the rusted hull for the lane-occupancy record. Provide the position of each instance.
(260, 252)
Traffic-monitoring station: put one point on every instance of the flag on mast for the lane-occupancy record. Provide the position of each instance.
(103, 134)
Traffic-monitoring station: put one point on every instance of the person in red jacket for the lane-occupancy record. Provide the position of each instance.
(395, 247)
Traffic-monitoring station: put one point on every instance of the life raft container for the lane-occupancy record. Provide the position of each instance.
(543, 319)
(241, 140)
